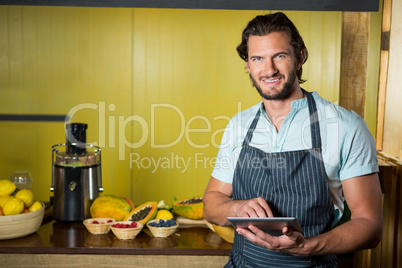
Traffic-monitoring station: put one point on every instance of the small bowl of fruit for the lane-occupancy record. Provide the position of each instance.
(99, 225)
(126, 229)
(162, 227)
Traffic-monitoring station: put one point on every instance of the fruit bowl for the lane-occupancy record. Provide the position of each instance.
(14, 226)
(126, 233)
(99, 225)
(161, 231)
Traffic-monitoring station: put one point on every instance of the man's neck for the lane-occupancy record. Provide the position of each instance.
(277, 110)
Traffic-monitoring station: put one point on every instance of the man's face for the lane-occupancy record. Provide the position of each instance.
(272, 65)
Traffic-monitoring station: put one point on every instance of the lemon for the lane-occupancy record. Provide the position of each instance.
(26, 196)
(7, 187)
(164, 214)
(35, 206)
(13, 206)
(4, 199)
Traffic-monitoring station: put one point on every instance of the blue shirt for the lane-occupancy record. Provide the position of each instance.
(348, 148)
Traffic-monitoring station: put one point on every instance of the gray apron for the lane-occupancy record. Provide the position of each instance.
(294, 184)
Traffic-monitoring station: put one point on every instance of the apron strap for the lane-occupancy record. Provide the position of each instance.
(250, 131)
(314, 123)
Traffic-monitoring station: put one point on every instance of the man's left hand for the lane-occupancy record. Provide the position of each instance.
(291, 242)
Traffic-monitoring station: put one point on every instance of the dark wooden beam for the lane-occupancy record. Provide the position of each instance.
(313, 5)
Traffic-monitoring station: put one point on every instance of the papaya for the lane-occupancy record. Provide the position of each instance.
(189, 208)
(143, 213)
(128, 200)
(110, 206)
(226, 232)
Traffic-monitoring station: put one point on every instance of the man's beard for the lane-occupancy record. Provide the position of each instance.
(287, 88)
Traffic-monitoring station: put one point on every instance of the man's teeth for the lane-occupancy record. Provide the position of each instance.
(271, 81)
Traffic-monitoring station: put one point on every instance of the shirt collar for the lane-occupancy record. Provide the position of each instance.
(296, 104)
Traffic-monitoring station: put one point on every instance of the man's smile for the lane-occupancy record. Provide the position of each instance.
(274, 80)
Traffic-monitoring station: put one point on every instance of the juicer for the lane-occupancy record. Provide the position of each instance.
(76, 175)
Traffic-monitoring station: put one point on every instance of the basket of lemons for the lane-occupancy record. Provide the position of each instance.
(20, 214)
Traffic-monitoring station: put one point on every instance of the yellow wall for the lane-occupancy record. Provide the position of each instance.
(162, 84)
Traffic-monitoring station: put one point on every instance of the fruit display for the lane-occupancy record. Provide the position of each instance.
(143, 213)
(14, 201)
(189, 208)
(110, 206)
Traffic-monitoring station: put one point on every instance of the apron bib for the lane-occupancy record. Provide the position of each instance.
(294, 184)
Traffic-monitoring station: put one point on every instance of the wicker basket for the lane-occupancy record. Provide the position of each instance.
(127, 233)
(103, 227)
(161, 231)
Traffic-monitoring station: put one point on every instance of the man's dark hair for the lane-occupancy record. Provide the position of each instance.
(276, 22)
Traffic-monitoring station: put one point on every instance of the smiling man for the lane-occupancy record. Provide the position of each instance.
(294, 154)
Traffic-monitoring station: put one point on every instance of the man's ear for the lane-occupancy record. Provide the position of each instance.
(302, 57)
(247, 67)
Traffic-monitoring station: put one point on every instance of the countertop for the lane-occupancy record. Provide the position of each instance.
(73, 238)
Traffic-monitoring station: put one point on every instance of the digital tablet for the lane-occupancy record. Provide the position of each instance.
(272, 226)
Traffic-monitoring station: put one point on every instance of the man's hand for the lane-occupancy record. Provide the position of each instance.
(218, 204)
(257, 208)
(291, 242)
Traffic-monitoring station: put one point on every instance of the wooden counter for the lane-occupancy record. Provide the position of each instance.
(55, 242)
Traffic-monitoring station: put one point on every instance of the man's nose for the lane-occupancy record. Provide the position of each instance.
(269, 68)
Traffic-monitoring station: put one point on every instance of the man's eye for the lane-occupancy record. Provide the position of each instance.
(280, 57)
(257, 58)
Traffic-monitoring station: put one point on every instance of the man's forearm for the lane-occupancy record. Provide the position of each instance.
(356, 234)
(217, 207)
